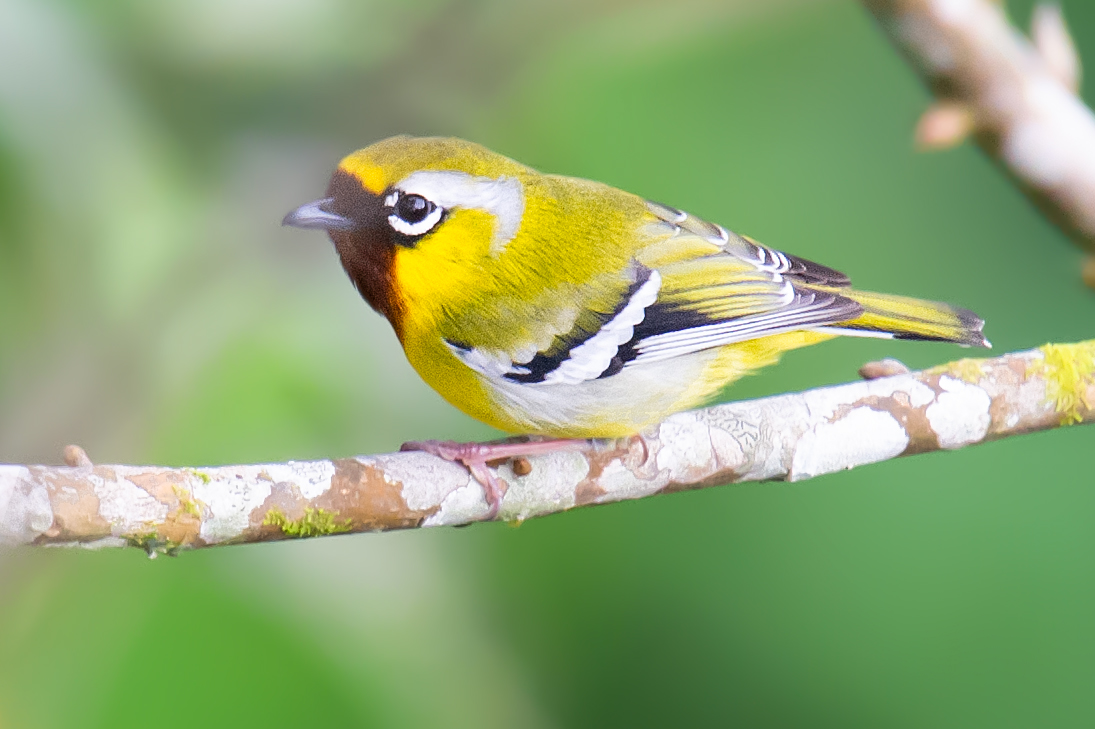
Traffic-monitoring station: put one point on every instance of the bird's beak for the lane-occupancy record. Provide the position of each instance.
(316, 215)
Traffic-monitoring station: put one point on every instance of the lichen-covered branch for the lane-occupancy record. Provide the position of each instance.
(1016, 95)
(786, 437)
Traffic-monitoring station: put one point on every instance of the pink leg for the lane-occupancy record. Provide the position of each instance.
(476, 456)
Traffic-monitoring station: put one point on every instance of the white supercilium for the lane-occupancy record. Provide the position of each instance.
(504, 198)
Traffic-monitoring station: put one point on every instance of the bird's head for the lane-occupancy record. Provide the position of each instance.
(414, 219)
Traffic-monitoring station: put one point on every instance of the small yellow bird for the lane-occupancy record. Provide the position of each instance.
(566, 308)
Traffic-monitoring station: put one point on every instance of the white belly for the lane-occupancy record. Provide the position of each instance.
(613, 406)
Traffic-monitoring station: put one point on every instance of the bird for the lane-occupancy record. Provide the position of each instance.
(565, 309)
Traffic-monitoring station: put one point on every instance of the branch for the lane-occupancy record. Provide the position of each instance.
(787, 437)
(1017, 96)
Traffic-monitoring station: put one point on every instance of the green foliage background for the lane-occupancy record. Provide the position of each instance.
(152, 310)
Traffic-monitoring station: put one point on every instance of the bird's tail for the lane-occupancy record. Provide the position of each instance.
(902, 317)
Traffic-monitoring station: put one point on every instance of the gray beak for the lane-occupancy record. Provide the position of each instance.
(315, 215)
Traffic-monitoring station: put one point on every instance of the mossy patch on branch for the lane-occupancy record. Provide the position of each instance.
(154, 545)
(967, 370)
(1069, 371)
(187, 504)
(314, 523)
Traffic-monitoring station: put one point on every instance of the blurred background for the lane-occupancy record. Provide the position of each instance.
(153, 311)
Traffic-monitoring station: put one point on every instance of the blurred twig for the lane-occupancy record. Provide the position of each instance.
(786, 437)
(1017, 96)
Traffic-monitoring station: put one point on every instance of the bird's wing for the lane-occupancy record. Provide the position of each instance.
(686, 234)
(696, 286)
(719, 288)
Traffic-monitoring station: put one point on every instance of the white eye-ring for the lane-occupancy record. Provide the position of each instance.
(412, 214)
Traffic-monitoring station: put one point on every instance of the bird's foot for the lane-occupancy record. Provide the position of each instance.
(479, 457)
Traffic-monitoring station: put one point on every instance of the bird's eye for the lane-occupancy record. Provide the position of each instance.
(412, 214)
(413, 208)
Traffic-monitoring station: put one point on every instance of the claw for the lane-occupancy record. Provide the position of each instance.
(476, 457)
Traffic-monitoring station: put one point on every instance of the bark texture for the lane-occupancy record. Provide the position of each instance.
(787, 437)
